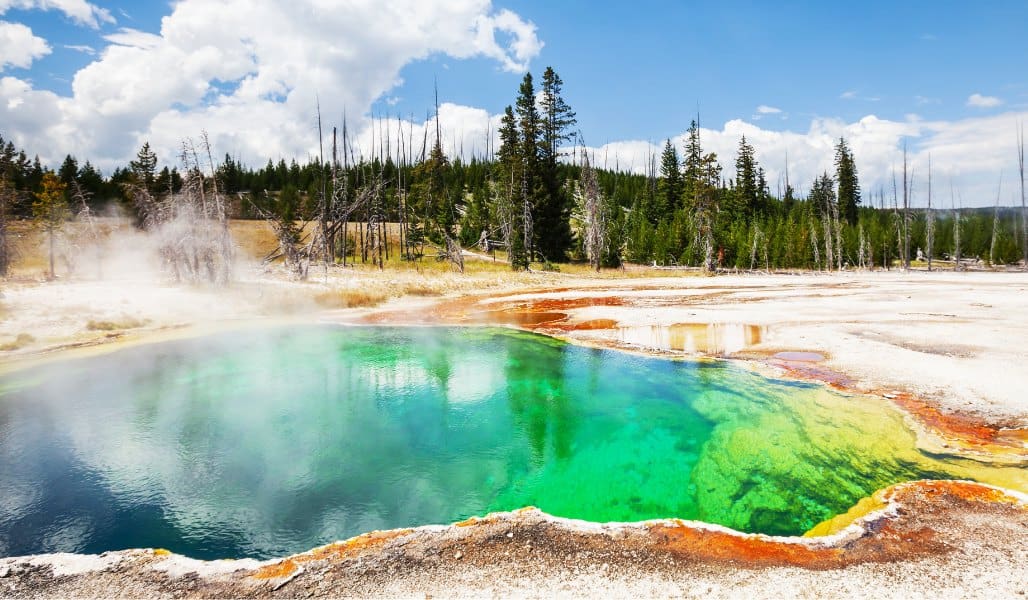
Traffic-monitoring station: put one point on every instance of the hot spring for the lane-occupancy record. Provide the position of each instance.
(267, 442)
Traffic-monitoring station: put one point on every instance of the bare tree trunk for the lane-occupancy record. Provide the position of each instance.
(826, 224)
(861, 255)
(995, 223)
(956, 235)
(906, 213)
(6, 198)
(814, 243)
(838, 234)
(930, 219)
(595, 219)
(330, 239)
(1024, 208)
(753, 249)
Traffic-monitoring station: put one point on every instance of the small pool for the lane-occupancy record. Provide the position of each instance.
(266, 442)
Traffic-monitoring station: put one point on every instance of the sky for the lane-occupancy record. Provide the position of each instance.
(947, 79)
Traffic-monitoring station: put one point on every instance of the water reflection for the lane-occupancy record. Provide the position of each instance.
(266, 443)
(693, 338)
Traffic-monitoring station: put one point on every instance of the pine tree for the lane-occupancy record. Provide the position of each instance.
(693, 166)
(848, 184)
(824, 207)
(670, 186)
(557, 118)
(510, 202)
(528, 130)
(553, 206)
(746, 179)
(145, 168)
(68, 173)
(92, 182)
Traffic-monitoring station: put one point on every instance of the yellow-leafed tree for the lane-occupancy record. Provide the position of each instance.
(50, 210)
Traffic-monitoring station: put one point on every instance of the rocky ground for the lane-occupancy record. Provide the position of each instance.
(924, 539)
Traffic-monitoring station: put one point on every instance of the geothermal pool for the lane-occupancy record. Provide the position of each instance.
(267, 442)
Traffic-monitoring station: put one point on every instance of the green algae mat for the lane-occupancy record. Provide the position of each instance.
(261, 443)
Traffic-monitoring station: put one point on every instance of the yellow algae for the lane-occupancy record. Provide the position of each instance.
(837, 523)
(773, 464)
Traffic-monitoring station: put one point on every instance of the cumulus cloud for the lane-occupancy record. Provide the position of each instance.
(968, 153)
(251, 74)
(19, 46)
(764, 109)
(79, 11)
(980, 101)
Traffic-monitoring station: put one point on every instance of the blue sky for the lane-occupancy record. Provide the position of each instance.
(791, 74)
(638, 70)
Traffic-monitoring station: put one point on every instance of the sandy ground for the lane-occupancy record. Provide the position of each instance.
(955, 340)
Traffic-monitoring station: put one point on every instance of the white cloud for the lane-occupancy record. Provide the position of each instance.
(764, 109)
(848, 95)
(19, 46)
(126, 36)
(250, 73)
(969, 153)
(84, 49)
(79, 11)
(980, 101)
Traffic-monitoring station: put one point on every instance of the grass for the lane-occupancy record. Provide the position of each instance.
(23, 339)
(126, 323)
(343, 298)
(425, 277)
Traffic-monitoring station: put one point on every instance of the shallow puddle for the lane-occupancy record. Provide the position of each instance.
(713, 339)
(269, 442)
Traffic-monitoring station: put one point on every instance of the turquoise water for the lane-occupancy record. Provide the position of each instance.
(266, 442)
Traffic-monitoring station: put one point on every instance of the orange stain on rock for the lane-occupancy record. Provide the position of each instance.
(283, 568)
(690, 541)
(956, 427)
(965, 490)
(336, 551)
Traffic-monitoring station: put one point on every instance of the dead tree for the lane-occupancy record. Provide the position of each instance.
(292, 241)
(1024, 208)
(930, 219)
(862, 261)
(86, 217)
(595, 218)
(7, 200)
(815, 245)
(454, 253)
(897, 219)
(758, 236)
(906, 212)
(995, 222)
(191, 226)
(956, 232)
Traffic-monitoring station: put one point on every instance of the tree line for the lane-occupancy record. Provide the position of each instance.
(538, 198)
